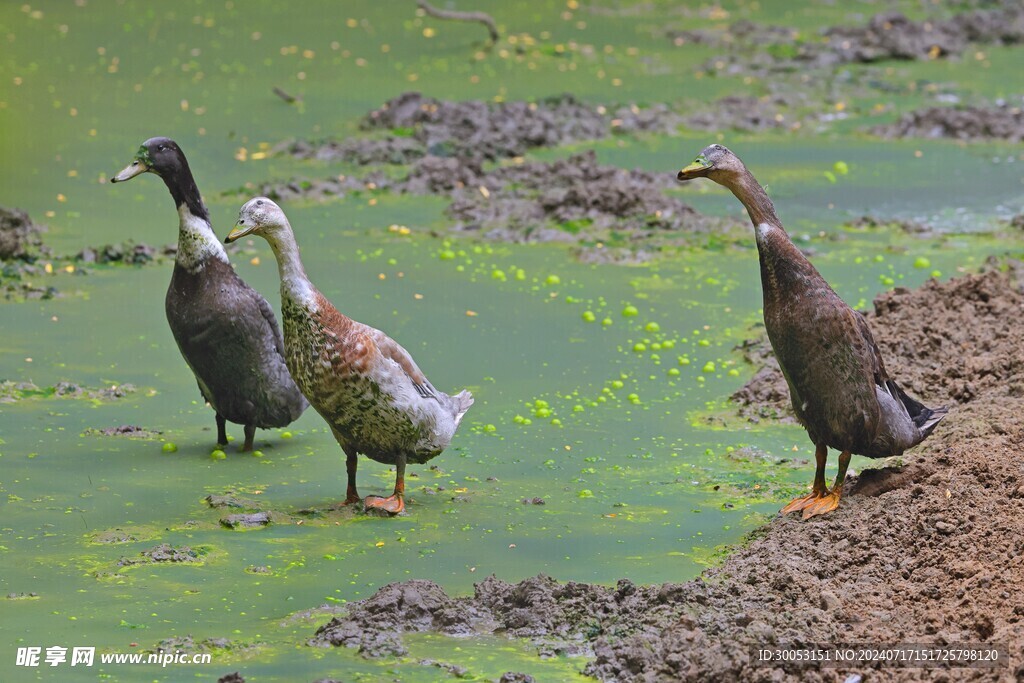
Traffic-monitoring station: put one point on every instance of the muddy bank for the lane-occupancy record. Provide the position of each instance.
(1002, 122)
(932, 552)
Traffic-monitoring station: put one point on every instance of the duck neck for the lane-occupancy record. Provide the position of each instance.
(197, 242)
(754, 199)
(295, 284)
(784, 268)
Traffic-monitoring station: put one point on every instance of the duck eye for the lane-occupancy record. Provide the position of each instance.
(161, 148)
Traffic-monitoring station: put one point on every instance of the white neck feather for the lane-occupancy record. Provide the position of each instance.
(295, 285)
(763, 230)
(196, 241)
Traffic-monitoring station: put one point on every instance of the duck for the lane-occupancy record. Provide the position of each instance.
(838, 385)
(367, 388)
(226, 331)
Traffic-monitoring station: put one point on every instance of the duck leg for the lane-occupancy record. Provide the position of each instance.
(395, 503)
(250, 434)
(831, 501)
(819, 490)
(351, 463)
(222, 434)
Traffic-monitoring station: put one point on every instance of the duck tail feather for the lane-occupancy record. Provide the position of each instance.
(927, 419)
(461, 403)
(923, 417)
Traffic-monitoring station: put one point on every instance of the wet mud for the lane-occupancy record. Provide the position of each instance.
(164, 553)
(1003, 122)
(929, 551)
(571, 200)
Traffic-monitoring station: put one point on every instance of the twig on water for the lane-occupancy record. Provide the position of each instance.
(290, 99)
(481, 17)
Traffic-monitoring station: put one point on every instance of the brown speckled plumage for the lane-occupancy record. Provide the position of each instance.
(838, 384)
(363, 383)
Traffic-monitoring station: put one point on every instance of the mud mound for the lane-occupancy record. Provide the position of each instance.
(414, 126)
(19, 236)
(572, 200)
(492, 131)
(376, 625)
(961, 123)
(930, 553)
(931, 559)
(563, 616)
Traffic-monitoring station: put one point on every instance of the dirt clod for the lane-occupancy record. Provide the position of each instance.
(163, 553)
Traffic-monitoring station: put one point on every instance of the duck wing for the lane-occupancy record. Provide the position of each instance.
(877, 366)
(904, 421)
(275, 329)
(394, 351)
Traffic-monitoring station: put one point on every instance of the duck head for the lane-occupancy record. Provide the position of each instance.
(716, 163)
(161, 156)
(258, 216)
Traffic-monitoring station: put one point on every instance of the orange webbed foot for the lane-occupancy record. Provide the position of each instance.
(822, 506)
(392, 505)
(803, 502)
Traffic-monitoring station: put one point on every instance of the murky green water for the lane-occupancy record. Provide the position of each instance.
(599, 420)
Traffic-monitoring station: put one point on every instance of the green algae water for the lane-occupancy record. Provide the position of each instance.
(595, 449)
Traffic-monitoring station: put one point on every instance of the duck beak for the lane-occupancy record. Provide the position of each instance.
(698, 169)
(238, 232)
(133, 169)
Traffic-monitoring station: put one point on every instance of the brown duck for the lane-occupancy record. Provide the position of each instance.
(840, 390)
(367, 387)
